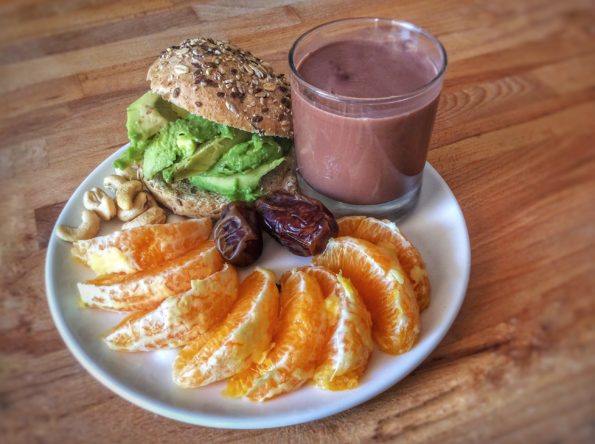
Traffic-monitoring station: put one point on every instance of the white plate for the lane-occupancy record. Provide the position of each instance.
(437, 228)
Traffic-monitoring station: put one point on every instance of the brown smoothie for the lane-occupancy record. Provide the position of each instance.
(364, 153)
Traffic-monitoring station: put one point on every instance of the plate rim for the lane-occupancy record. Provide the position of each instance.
(153, 405)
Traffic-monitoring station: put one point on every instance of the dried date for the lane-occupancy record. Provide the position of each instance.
(238, 234)
(301, 224)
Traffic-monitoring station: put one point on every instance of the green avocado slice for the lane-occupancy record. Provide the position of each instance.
(145, 118)
(148, 115)
(241, 186)
(207, 155)
(177, 141)
(247, 156)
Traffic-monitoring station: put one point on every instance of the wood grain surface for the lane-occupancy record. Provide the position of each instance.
(515, 140)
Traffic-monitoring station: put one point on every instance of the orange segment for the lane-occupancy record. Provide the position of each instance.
(179, 318)
(146, 289)
(383, 285)
(139, 248)
(243, 338)
(386, 234)
(298, 341)
(349, 344)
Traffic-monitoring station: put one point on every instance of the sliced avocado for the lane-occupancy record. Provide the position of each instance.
(249, 155)
(236, 186)
(158, 155)
(207, 155)
(186, 144)
(133, 155)
(168, 174)
(147, 116)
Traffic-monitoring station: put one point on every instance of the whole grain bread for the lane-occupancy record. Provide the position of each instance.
(228, 85)
(223, 83)
(185, 200)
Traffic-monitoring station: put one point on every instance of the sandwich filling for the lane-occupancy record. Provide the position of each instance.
(176, 145)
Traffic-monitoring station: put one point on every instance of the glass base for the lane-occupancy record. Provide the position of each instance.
(394, 209)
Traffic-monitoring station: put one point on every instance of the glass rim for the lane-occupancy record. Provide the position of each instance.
(370, 100)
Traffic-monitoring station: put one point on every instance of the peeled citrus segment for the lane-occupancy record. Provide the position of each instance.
(139, 248)
(298, 342)
(243, 338)
(384, 287)
(349, 342)
(146, 289)
(386, 234)
(180, 318)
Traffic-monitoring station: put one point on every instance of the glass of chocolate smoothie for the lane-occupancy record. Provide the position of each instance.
(364, 98)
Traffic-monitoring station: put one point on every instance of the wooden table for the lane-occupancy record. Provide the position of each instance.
(515, 140)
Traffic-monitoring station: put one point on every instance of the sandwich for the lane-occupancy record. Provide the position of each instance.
(215, 127)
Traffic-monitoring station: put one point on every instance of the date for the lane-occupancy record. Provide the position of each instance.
(300, 223)
(238, 234)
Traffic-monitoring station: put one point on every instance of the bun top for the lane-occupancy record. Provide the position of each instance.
(223, 83)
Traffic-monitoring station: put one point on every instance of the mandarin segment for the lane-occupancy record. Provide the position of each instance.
(349, 343)
(140, 248)
(384, 287)
(298, 342)
(386, 234)
(242, 339)
(179, 318)
(146, 289)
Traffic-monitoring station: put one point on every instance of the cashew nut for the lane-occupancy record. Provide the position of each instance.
(88, 228)
(129, 173)
(136, 209)
(154, 215)
(126, 193)
(151, 202)
(97, 200)
(113, 182)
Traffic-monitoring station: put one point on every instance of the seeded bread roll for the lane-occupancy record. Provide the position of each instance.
(225, 84)
(184, 199)
(228, 85)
